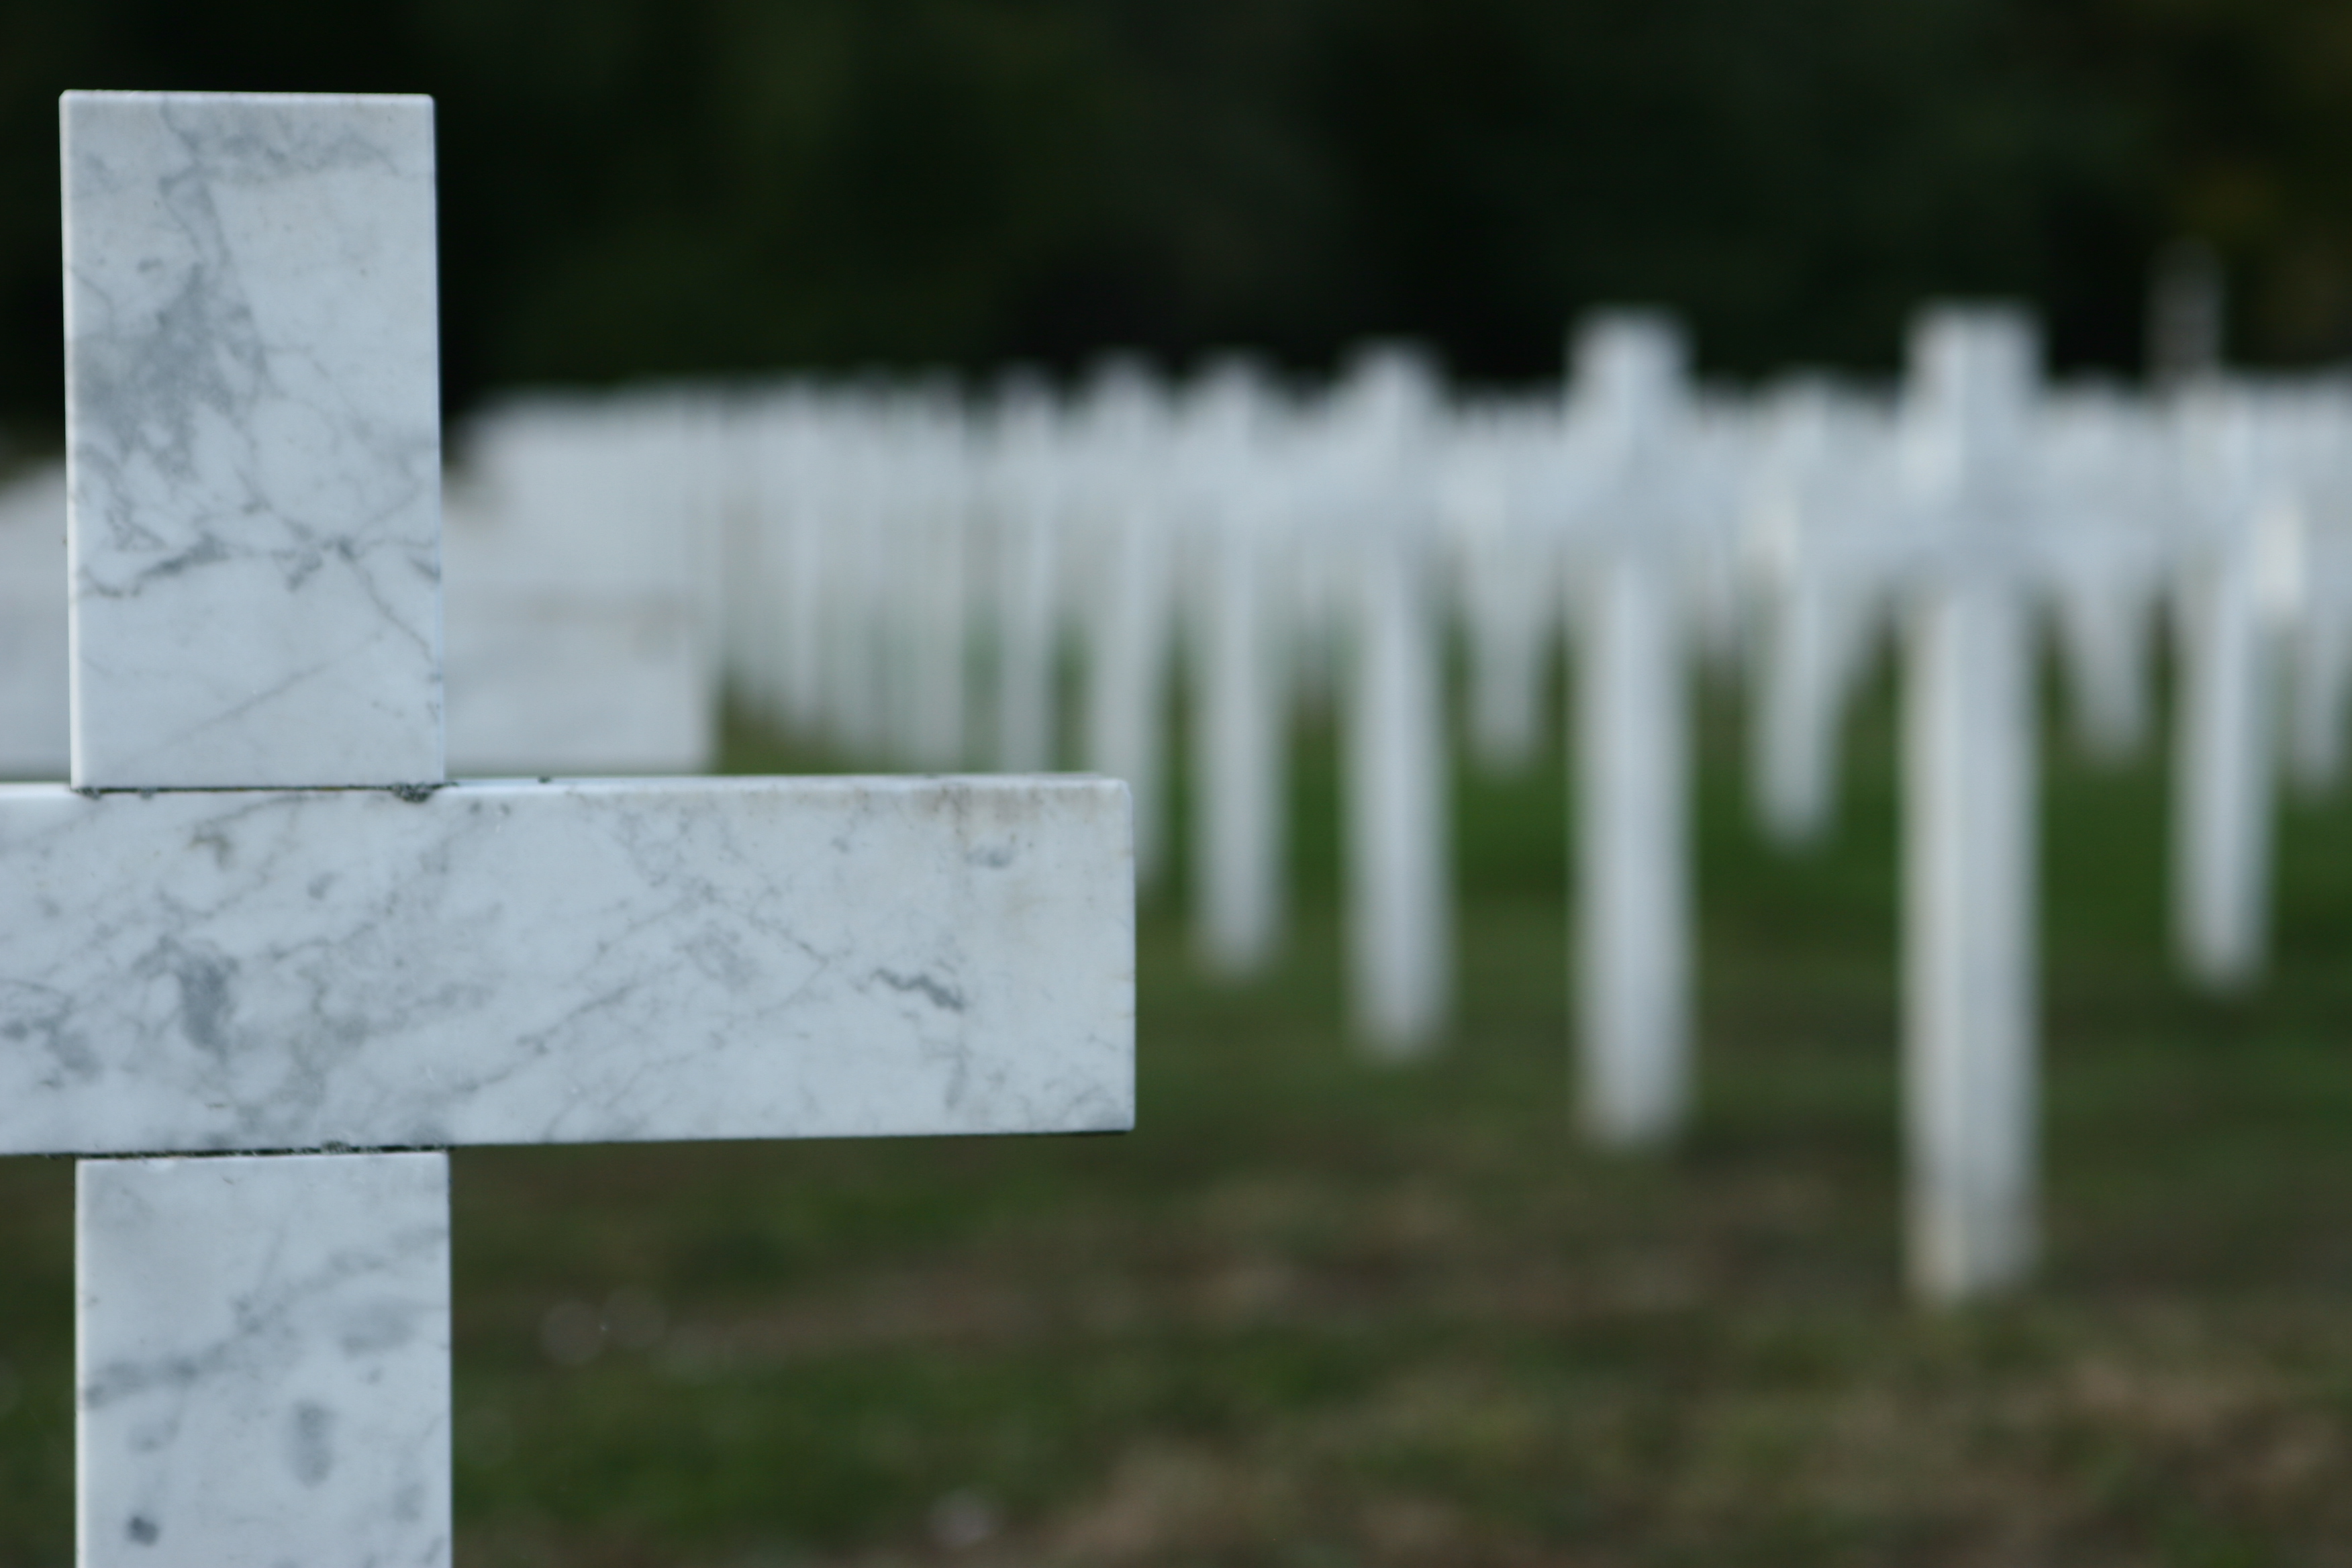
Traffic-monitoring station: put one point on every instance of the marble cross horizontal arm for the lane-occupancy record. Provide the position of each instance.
(199, 970)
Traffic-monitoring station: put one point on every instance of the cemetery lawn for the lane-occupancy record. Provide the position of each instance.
(1317, 1311)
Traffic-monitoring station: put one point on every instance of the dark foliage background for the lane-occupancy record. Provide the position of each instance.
(636, 187)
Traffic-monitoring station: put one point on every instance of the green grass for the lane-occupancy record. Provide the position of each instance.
(1316, 1311)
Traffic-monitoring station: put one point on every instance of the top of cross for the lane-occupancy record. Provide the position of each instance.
(253, 421)
(1972, 382)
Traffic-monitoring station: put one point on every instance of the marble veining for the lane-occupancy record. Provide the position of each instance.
(253, 431)
(587, 962)
(263, 1356)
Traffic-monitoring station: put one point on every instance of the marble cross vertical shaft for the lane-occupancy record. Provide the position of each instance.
(1970, 1038)
(261, 926)
(2224, 743)
(1633, 866)
(1393, 787)
(1241, 673)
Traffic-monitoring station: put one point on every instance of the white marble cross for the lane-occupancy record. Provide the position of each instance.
(2237, 566)
(1971, 1036)
(1393, 783)
(1633, 927)
(260, 924)
(1242, 673)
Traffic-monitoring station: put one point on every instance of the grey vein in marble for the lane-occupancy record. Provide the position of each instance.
(253, 430)
(263, 1358)
(518, 964)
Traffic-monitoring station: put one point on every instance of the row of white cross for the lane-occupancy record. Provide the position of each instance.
(1259, 549)
(907, 576)
(916, 579)
(600, 550)
(911, 577)
(261, 925)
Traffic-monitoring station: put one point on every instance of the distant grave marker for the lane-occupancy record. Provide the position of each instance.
(1242, 673)
(1394, 784)
(1631, 734)
(1971, 1040)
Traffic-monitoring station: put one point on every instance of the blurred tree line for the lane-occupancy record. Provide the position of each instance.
(634, 187)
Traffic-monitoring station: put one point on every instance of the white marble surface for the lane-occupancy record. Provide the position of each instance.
(264, 1362)
(516, 964)
(33, 725)
(253, 425)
